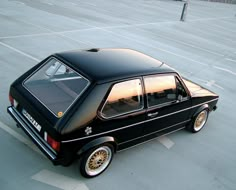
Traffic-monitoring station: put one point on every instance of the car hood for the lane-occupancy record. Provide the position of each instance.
(197, 90)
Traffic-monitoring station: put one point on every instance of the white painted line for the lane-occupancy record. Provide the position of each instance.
(219, 86)
(224, 29)
(20, 138)
(213, 18)
(152, 46)
(19, 2)
(47, 33)
(210, 83)
(90, 3)
(48, 3)
(20, 52)
(213, 83)
(56, 33)
(86, 43)
(27, 35)
(232, 60)
(226, 70)
(190, 45)
(94, 27)
(59, 181)
(73, 3)
(105, 29)
(51, 32)
(165, 141)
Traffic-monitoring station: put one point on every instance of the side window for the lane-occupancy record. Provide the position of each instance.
(160, 89)
(180, 90)
(124, 97)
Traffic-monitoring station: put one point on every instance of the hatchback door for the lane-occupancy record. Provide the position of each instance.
(168, 104)
(41, 97)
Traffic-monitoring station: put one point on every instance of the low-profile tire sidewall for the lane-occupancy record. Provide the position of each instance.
(85, 157)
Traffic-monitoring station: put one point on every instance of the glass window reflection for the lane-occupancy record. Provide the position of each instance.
(125, 97)
(160, 89)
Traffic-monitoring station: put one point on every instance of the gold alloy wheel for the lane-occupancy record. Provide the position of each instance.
(200, 120)
(98, 160)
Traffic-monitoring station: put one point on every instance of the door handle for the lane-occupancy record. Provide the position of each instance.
(153, 114)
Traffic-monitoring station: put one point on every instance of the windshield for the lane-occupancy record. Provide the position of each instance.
(56, 86)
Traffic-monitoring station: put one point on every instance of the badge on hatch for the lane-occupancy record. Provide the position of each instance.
(31, 120)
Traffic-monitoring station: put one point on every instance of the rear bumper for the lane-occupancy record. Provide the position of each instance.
(36, 138)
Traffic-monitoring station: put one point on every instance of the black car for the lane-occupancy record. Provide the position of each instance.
(90, 104)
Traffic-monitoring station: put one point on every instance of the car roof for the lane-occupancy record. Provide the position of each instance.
(105, 65)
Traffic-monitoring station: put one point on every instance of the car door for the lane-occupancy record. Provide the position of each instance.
(168, 104)
(123, 112)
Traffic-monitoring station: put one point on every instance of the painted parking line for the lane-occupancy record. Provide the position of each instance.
(166, 141)
(101, 28)
(210, 18)
(90, 3)
(226, 70)
(153, 46)
(232, 60)
(19, 51)
(189, 44)
(21, 3)
(223, 29)
(59, 181)
(50, 32)
(20, 137)
(210, 83)
(51, 4)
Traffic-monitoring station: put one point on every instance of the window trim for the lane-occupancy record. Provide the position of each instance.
(46, 61)
(125, 113)
(146, 95)
(184, 87)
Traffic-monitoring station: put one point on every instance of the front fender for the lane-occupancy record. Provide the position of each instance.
(205, 106)
(97, 142)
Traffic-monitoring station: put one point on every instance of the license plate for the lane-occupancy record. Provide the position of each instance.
(31, 120)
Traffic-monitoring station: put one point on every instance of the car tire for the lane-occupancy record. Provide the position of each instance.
(96, 160)
(198, 121)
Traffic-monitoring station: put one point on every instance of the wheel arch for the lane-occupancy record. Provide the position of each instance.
(203, 107)
(97, 142)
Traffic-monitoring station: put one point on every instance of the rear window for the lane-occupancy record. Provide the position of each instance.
(56, 86)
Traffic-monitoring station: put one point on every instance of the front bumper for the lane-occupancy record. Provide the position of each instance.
(36, 138)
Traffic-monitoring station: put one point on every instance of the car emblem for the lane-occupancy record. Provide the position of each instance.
(88, 130)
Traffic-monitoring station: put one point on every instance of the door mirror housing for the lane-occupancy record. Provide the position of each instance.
(180, 98)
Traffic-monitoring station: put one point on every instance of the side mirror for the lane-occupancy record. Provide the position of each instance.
(180, 98)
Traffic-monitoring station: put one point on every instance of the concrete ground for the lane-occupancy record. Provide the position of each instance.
(202, 49)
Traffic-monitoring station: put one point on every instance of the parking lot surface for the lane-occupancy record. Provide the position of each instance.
(203, 49)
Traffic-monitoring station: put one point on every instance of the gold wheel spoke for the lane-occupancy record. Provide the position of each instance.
(97, 159)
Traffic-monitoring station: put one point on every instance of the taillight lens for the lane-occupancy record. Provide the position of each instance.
(11, 100)
(54, 144)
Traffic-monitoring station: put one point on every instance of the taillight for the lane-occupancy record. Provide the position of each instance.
(53, 143)
(11, 100)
